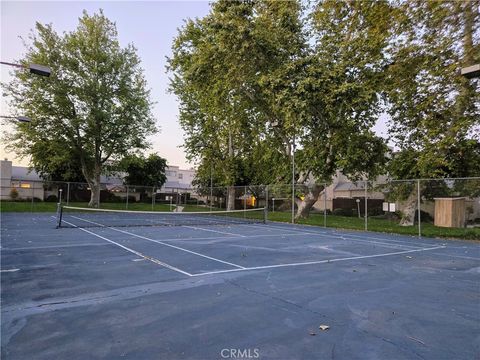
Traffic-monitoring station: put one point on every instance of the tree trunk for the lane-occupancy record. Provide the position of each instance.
(304, 206)
(95, 189)
(231, 198)
(408, 212)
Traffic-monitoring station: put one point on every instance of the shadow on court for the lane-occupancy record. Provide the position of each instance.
(233, 291)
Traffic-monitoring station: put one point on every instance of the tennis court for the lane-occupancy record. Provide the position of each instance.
(231, 286)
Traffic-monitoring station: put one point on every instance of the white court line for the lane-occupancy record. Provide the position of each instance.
(215, 231)
(362, 240)
(156, 261)
(319, 262)
(9, 270)
(162, 243)
(59, 246)
(334, 233)
(226, 238)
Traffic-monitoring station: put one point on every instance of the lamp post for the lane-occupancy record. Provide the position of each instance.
(293, 179)
(37, 69)
(24, 119)
(471, 72)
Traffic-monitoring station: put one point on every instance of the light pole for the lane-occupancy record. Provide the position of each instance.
(471, 72)
(37, 69)
(293, 179)
(24, 119)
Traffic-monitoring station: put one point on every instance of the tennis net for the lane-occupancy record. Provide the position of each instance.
(69, 216)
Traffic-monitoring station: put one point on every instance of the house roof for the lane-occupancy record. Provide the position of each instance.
(348, 187)
(22, 173)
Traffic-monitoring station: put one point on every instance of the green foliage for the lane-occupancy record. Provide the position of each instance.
(250, 77)
(94, 107)
(435, 112)
(147, 171)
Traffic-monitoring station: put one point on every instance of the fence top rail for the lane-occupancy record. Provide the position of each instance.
(193, 189)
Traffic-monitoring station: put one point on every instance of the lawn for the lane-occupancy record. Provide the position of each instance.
(334, 221)
(380, 225)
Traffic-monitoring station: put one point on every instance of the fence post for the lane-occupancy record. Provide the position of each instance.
(366, 206)
(68, 192)
(418, 199)
(33, 195)
(325, 205)
(126, 203)
(266, 201)
(153, 197)
(245, 198)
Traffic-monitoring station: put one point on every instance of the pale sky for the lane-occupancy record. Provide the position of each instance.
(149, 25)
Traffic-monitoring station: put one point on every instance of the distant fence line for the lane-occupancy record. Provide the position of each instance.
(361, 199)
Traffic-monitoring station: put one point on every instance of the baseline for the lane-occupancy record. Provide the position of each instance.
(319, 262)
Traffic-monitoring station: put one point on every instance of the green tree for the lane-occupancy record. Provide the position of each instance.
(95, 106)
(253, 75)
(147, 171)
(435, 112)
(218, 64)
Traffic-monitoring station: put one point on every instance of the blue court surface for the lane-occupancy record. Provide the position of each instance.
(233, 291)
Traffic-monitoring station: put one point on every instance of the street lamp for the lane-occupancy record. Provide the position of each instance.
(37, 69)
(471, 72)
(24, 119)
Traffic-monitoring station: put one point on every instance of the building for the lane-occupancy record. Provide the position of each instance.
(21, 183)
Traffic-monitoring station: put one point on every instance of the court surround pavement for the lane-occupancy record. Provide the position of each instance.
(228, 292)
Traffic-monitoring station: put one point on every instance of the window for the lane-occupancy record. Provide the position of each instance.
(19, 184)
(180, 176)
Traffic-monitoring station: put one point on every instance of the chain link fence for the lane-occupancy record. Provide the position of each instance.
(422, 207)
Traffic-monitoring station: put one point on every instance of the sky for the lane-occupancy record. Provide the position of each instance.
(150, 25)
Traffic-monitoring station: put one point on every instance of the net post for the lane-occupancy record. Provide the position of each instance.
(59, 215)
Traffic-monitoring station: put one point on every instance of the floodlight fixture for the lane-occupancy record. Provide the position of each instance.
(37, 69)
(471, 72)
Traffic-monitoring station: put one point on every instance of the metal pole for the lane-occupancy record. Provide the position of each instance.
(68, 192)
(366, 206)
(33, 195)
(171, 200)
(126, 204)
(266, 201)
(293, 180)
(418, 198)
(98, 195)
(211, 186)
(153, 197)
(60, 196)
(325, 206)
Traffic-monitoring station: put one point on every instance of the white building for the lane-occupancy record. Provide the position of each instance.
(28, 184)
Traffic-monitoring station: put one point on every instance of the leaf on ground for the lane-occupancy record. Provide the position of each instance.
(409, 257)
(312, 333)
(324, 327)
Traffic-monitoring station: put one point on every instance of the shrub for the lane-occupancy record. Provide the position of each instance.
(51, 198)
(343, 212)
(13, 194)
